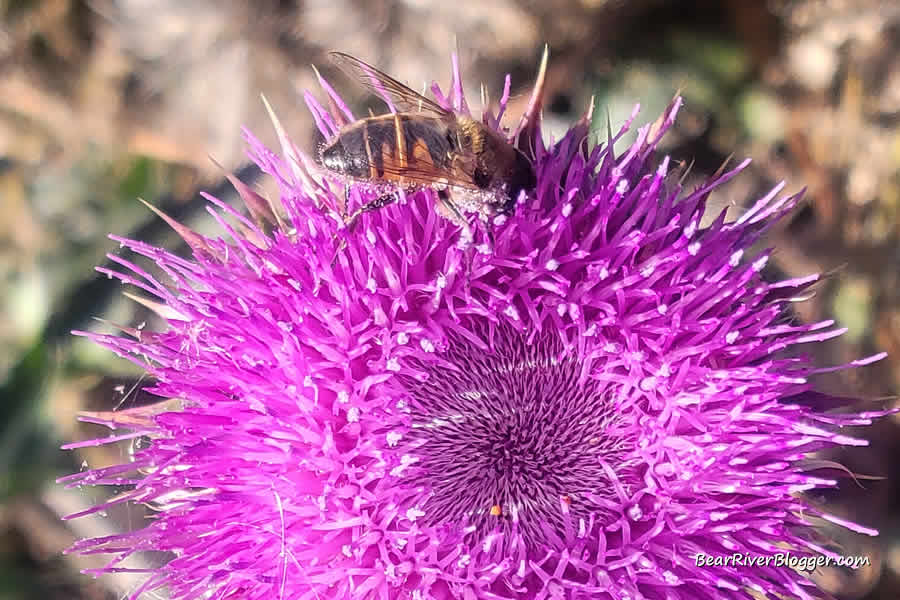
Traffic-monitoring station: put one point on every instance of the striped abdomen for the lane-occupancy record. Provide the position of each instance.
(402, 148)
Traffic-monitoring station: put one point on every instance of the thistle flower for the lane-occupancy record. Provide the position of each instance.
(576, 408)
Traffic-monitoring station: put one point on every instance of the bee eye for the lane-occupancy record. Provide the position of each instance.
(467, 140)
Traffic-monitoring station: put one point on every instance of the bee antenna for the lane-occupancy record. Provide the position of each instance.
(687, 171)
(722, 167)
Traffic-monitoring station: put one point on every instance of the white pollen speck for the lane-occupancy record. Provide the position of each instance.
(735, 259)
(500, 220)
(561, 309)
(603, 274)
(343, 397)
(567, 209)
(426, 344)
(718, 515)
(662, 309)
(511, 312)
(622, 187)
(664, 469)
(484, 249)
(371, 285)
(670, 577)
(392, 438)
(307, 381)
(760, 263)
(441, 282)
(647, 383)
(552, 264)
(690, 230)
(694, 248)
(353, 414)
(731, 336)
(345, 550)
(402, 338)
(464, 561)
(392, 365)
(370, 235)
(634, 512)
(414, 513)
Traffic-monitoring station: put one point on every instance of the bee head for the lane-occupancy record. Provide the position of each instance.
(472, 136)
(521, 178)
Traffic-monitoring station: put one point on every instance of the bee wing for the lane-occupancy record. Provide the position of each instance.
(426, 175)
(385, 86)
(427, 161)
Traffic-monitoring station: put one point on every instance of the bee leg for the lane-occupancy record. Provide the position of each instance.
(375, 204)
(351, 220)
(447, 204)
(339, 249)
(458, 218)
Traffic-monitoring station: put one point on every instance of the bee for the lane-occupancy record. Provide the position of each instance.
(473, 168)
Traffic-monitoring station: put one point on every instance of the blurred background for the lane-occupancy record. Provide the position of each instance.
(105, 101)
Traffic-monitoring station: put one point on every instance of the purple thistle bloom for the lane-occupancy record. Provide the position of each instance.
(577, 411)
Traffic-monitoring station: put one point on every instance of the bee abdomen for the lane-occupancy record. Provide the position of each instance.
(384, 147)
(347, 154)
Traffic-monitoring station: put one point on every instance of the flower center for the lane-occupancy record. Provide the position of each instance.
(514, 440)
